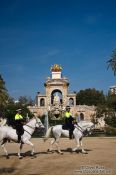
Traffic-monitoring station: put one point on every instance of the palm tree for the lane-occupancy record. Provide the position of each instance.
(112, 62)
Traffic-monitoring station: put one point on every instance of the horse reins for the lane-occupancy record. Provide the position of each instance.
(79, 128)
(31, 128)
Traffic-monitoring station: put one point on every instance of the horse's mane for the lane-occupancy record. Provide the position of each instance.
(29, 120)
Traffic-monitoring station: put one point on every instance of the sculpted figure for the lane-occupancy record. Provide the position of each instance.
(56, 99)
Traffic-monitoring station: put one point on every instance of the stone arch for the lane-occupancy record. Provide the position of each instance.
(42, 102)
(58, 93)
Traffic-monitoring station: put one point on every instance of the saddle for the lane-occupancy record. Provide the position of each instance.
(65, 127)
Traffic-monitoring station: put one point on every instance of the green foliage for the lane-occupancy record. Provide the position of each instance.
(112, 62)
(90, 97)
(111, 101)
(25, 100)
(101, 110)
(3, 94)
(53, 120)
(110, 119)
(110, 131)
(7, 105)
(10, 111)
(105, 105)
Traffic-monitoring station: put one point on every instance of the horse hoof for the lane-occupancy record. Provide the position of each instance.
(59, 152)
(73, 150)
(50, 151)
(33, 156)
(84, 152)
(7, 157)
(21, 157)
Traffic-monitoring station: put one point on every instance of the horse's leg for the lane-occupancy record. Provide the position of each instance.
(56, 141)
(82, 149)
(77, 144)
(58, 147)
(51, 145)
(4, 148)
(20, 149)
(32, 145)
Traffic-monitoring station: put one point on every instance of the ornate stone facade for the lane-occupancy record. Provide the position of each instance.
(57, 96)
(112, 90)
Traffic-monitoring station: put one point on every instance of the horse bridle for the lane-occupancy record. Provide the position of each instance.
(81, 129)
(32, 127)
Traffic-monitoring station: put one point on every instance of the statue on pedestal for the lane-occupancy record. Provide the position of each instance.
(56, 101)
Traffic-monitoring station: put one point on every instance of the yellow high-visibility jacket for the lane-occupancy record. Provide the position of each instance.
(67, 114)
(18, 117)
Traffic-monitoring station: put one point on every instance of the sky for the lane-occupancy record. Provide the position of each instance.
(79, 35)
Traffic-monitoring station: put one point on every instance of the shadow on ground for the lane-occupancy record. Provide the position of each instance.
(6, 170)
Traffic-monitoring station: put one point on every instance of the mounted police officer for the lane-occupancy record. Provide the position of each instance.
(69, 121)
(19, 124)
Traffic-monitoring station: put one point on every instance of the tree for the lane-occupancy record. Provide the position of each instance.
(4, 97)
(10, 111)
(112, 62)
(110, 119)
(24, 100)
(111, 101)
(90, 97)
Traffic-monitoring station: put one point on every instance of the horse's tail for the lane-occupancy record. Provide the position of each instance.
(48, 133)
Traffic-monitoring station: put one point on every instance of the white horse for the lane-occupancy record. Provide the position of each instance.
(8, 133)
(80, 130)
(3, 121)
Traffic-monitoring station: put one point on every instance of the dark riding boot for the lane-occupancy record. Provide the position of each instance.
(70, 134)
(19, 138)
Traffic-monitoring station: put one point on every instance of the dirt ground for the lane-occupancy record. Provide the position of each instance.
(101, 158)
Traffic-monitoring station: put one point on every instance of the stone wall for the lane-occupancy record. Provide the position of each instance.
(88, 111)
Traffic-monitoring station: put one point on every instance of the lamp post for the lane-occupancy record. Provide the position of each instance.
(46, 121)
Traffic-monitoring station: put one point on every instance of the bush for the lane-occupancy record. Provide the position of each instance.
(111, 120)
(110, 131)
